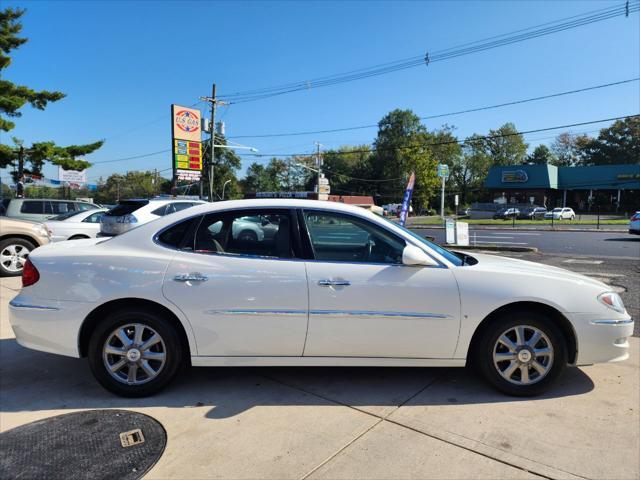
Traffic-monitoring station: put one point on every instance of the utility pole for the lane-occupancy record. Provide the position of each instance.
(214, 102)
(319, 165)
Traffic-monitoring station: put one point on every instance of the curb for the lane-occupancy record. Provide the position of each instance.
(523, 229)
(492, 248)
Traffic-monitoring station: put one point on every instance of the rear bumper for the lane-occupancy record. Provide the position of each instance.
(602, 340)
(48, 325)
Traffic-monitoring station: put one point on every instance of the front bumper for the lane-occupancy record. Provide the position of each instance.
(602, 340)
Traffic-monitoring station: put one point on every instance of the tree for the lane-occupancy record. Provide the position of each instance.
(13, 97)
(30, 160)
(133, 184)
(349, 169)
(470, 169)
(568, 150)
(399, 150)
(617, 144)
(541, 155)
(505, 145)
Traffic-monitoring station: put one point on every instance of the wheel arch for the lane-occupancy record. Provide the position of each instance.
(79, 236)
(554, 314)
(20, 236)
(93, 319)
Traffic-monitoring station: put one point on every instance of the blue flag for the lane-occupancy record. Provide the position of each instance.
(407, 199)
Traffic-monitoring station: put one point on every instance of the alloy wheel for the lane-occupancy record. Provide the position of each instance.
(13, 257)
(134, 354)
(523, 355)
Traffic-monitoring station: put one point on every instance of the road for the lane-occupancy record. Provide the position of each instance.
(597, 244)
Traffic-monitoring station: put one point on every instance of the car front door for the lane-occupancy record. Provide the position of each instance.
(363, 302)
(244, 295)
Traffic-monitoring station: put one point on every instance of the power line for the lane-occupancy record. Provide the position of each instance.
(442, 55)
(448, 142)
(440, 115)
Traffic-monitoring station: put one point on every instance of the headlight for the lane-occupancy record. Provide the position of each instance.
(41, 230)
(612, 300)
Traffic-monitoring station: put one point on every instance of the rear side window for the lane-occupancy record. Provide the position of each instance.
(63, 207)
(160, 211)
(125, 207)
(174, 236)
(84, 206)
(94, 217)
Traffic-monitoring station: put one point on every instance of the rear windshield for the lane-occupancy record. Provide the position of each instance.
(125, 207)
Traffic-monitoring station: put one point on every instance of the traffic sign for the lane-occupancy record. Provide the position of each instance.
(443, 170)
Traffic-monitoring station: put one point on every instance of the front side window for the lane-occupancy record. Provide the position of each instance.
(343, 238)
(264, 234)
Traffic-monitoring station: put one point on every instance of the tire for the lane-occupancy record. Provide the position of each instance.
(573, 217)
(154, 324)
(13, 254)
(247, 236)
(551, 339)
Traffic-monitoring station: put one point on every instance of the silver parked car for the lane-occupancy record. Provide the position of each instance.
(41, 209)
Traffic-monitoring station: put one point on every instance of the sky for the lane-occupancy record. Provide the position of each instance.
(123, 63)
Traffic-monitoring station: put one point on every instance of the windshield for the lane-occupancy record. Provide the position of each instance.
(64, 216)
(557, 209)
(450, 256)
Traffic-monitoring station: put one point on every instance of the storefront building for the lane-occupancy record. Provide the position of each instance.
(610, 188)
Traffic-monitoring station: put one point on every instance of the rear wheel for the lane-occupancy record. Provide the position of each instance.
(135, 353)
(13, 255)
(521, 353)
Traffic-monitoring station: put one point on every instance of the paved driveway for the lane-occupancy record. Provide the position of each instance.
(349, 423)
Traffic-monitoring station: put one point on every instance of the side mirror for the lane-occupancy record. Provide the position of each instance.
(412, 255)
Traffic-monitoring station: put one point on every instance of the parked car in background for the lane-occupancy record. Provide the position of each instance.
(506, 214)
(75, 225)
(634, 224)
(18, 238)
(129, 214)
(561, 213)
(41, 209)
(335, 286)
(532, 213)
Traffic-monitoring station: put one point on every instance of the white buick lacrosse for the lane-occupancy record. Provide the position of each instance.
(299, 282)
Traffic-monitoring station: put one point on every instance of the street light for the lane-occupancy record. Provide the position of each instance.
(223, 186)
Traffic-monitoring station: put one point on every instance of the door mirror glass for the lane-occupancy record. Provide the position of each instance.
(412, 255)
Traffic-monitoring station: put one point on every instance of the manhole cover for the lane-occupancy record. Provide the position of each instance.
(96, 444)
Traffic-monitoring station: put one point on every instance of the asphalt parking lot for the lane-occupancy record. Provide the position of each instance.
(344, 423)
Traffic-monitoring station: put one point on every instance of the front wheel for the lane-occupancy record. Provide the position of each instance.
(521, 353)
(135, 353)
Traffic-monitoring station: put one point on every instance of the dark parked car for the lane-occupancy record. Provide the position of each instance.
(506, 214)
(532, 213)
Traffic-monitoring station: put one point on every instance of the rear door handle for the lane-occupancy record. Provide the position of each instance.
(334, 283)
(191, 277)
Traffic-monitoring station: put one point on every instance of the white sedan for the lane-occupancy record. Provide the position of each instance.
(335, 285)
(75, 225)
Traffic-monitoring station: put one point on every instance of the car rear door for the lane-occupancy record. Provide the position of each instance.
(243, 295)
(363, 302)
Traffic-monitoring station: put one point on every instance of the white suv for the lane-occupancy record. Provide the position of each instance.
(129, 214)
(561, 214)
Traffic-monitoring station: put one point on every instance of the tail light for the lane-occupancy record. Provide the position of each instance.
(30, 274)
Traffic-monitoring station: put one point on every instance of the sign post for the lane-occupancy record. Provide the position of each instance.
(443, 172)
(186, 146)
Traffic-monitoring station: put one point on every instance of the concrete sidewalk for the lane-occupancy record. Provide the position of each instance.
(345, 423)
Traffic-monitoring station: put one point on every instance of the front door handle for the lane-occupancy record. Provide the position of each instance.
(334, 283)
(191, 277)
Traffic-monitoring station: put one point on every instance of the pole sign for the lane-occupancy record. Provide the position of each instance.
(186, 146)
(443, 170)
(407, 198)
